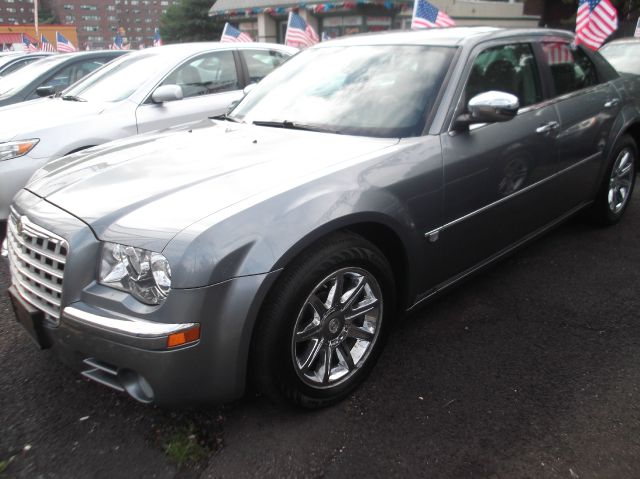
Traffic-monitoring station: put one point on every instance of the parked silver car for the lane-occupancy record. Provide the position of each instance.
(623, 54)
(11, 62)
(143, 91)
(359, 180)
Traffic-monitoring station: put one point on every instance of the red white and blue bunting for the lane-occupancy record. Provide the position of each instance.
(316, 7)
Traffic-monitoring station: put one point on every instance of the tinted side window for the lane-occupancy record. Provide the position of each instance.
(262, 62)
(206, 74)
(571, 70)
(507, 68)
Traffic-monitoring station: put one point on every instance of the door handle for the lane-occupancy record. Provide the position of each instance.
(612, 103)
(552, 125)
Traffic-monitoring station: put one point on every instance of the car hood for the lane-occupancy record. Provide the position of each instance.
(26, 119)
(143, 190)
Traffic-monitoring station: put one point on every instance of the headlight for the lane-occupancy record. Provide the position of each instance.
(144, 274)
(14, 149)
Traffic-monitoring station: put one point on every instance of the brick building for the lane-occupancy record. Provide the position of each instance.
(96, 21)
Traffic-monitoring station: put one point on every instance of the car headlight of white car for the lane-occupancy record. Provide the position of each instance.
(14, 149)
(144, 274)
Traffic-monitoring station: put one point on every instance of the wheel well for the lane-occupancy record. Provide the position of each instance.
(381, 236)
(634, 131)
(387, 241)
(79, 149)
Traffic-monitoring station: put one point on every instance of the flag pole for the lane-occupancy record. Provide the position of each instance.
(35, 16)
(415, 7)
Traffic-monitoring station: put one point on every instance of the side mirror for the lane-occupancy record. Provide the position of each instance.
(47, 90)
(166, 93)
(490, 107)
(248, 88)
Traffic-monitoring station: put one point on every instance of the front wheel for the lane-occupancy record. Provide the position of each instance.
(324, 324)
(617, 186)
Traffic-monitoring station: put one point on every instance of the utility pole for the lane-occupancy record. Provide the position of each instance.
(35, 18)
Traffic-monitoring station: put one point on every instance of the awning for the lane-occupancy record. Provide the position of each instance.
(15, 38)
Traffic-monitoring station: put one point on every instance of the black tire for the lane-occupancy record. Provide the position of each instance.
(276, 355)
(604, 212)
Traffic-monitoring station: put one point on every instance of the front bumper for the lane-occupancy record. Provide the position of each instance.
(113, 339)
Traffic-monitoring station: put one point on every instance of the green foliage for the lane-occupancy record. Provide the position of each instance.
(3, 466)
(189, 21)
(184, 448)
(46, 16)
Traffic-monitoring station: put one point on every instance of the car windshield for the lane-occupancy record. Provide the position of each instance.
(624, 57)
(118, 80)
(383, 91)
(26, 75)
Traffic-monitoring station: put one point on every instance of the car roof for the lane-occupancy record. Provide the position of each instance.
(186, 49)
(452, 36)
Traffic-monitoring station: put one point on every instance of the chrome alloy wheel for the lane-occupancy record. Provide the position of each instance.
(337, 327)
(621, 180)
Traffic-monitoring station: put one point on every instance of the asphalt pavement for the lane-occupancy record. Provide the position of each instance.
(531, 369)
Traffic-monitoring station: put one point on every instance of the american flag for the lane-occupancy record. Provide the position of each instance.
(557, 53)
(64, 45)
(637, 34)
(230, 34)
(595, 21)
(157, 41)
(28, 45)
(426, 15)
(45, 45)
(299, 33)
(117, 42)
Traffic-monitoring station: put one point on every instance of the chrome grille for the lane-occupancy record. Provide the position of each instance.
(37, 258)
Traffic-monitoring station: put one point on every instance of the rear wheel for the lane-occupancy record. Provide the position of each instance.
(617, 186)
(324, 324)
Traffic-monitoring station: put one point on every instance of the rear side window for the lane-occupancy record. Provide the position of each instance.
(262, 62)
(571, 69)
(507, 68)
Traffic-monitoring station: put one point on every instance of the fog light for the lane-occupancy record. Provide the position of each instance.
(183, 337)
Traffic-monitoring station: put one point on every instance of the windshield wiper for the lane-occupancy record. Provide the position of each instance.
(226, 117)
(292, 125)
(72, 98)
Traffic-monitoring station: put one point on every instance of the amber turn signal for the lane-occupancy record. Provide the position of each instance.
(183, 337)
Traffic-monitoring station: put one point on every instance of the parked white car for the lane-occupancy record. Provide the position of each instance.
(144, 91)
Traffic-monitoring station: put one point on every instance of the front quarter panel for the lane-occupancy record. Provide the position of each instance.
(399, 189)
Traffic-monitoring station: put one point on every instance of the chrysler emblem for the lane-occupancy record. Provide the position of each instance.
(20, 226)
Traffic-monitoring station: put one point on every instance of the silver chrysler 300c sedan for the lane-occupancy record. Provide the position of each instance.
(279, 245)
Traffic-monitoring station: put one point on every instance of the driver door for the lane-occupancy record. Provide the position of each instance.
(495, 192)
(209, 83)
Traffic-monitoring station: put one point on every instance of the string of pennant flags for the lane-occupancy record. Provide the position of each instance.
(315, 7)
